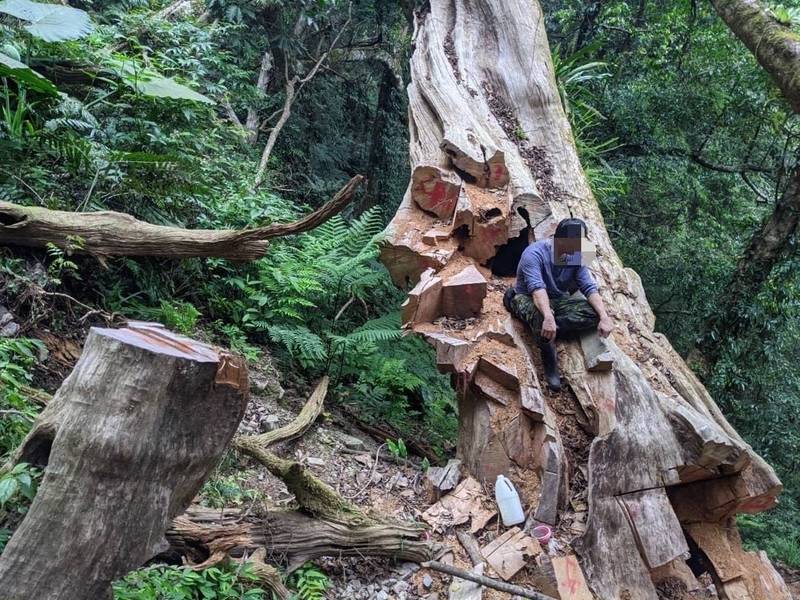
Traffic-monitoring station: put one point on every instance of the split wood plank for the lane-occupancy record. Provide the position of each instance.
(571, 582)
(655, 526)
(508, 553)
(423, 304)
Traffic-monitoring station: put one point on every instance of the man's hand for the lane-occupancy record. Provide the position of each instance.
(549, 328)
(605, 327)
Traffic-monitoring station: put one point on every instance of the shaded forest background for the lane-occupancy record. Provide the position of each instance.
(686, 141)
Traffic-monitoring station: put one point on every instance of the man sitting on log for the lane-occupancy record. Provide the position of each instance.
(549, 273)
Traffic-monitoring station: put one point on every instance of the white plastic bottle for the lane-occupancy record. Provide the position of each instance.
(508, 502)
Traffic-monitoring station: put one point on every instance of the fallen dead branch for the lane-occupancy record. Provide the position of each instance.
(108, 233)
(485, 581)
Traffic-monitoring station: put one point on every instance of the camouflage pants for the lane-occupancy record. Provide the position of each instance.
(572, 314)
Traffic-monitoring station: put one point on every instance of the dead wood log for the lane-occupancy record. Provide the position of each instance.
(126, 445)
(108, 233)
(485, 116)
(201, 533)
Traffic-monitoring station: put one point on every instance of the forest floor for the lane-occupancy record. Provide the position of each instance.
(337, 451)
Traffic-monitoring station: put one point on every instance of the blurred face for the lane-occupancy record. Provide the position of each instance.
(573, 251)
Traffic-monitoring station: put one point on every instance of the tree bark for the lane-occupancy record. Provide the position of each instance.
(108, 233)
(126, 443)
(203, 533)
(494, 164)
(775, 46)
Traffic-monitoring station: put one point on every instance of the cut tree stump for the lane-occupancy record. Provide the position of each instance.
(643, 444)
(126, 443)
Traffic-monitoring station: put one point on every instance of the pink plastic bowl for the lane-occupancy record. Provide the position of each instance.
(542, 533)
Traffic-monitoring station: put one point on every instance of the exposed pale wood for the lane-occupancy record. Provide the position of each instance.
(508, 553)
(108, 233)
(440, 480)
(450, 352)
(433, 236)
(436, 191)
(502, 373)
(483, 69)
(424, 302)
(463, 293)
(126, 445)
(596, 354)
(655, 526)
(571, 583)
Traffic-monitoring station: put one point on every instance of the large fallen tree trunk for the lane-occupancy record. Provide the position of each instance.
(494, 166)
(109, 233)
(126, 443)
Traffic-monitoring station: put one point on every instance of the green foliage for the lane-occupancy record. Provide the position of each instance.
(49, 22)
(397, 448)
(17, 357)
(183, 583)
(776, 531)
(179, 315)
(309, 582)
(222, 491)
(18, 487)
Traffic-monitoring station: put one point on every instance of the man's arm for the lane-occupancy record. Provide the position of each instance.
(542, 303)
(605, 326)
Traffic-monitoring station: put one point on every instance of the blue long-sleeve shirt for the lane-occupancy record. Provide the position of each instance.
(536, 271)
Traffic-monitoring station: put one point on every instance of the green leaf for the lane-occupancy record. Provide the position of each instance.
(49, 22)
(151, 83)
(24, 75)
(8, 488)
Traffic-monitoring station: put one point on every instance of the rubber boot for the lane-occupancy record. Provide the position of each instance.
(550, 362)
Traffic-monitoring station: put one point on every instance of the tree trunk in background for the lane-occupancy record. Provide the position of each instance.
(775, 46)
(777, 49)
(127, 442)
(492, 153)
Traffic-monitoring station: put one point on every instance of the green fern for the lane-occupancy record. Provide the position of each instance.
(310, 582)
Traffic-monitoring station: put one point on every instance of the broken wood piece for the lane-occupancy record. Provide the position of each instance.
(485, 581)
(463, 293)
(490, 389)
(459, 506)
(470, 545)
(508, 553)
(423, 304)
(127, 440)
(435, 190)
(450, 351)
(657, 530)
(676, 570)
(440, 480)
(432, 237)
(569, 575)
(596, 354)
(532, 402)
(501, 371)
